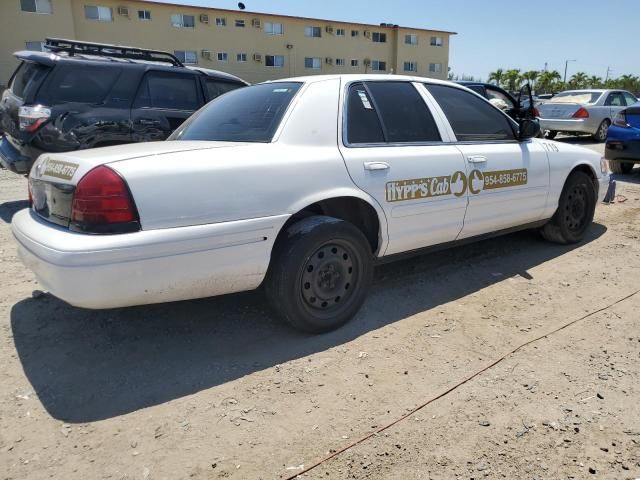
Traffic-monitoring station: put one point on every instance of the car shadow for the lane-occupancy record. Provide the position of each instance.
(92, 365)
(9, 209)
(577, 139)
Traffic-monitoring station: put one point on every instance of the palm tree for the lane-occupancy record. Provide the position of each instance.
(531, 76)
(497, 76)
(549, 81)
(629, 82)
(579, 80)
(512, 79)
(594, 81)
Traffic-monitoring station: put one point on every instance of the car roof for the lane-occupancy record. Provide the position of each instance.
(50, 58)
(351, 77)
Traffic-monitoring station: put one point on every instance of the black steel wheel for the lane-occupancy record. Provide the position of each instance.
(319, 273)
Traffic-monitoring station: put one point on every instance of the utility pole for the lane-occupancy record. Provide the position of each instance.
(545, 66)
(566, 64)
(609, 70)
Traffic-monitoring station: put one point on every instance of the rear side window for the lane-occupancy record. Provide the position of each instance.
(27, 78)
(363, 124)
(167, 90)
(215, 88)
(471, 118)
(81, 83)
(250, 114)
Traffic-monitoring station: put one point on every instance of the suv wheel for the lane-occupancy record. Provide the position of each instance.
(319, 274)
(575, 211)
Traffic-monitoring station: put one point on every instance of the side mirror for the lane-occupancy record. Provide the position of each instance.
(525, 96)
(528, 129)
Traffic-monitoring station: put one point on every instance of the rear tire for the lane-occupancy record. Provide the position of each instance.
(626, 167)
(575, 211)
(320, 273)
(551, 134)
(603, 130)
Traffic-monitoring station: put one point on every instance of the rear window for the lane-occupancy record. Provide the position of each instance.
(576, 97)
(80, 83)
(27, 78)
(250, 114)
(215, 88)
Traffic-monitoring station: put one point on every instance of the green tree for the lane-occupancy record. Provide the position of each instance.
(512, 79)
(579, 80)
(531, 76)
(595, 82)
(549, 82)
(497, 76)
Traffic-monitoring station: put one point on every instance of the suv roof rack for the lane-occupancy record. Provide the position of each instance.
(105, 50)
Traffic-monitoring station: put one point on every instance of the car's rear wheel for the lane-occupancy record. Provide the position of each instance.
(575, 210)
(551, 134)
(319, 274)
(601, 133)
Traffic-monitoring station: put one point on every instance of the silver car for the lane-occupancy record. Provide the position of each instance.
(583, 111)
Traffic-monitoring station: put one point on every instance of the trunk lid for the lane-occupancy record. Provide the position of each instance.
(558, 110)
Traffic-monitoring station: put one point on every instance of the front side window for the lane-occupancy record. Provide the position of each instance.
(168, 91)
(276, 61)
(379, 37)
(183, 21)
(250, 114)
(215, 88)
(274, 28)
(435, 67)
(378, 65)
(100, 14)
(410, 67)
(144, 14)
(615, 99)
(89, 84)
(312, 62)
(188, 57)
(436, 41)
(221, 22)
(471, 118)
(312, 32)
(36, 6)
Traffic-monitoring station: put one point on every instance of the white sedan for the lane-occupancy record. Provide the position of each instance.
(303, 185)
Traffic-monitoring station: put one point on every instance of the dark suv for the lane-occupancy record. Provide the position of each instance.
(82, 95)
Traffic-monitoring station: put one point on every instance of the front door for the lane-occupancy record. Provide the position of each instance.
(508, 180)
(393, 149)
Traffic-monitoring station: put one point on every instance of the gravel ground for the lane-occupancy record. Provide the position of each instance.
(217, 388)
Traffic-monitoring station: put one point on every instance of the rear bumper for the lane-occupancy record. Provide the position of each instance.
(12, 159)
(577, 126)
(623, 144)
(110, 271)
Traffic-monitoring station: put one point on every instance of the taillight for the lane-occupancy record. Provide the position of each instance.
(581, 113)
(620, 120)
(102, 204)
(536, 112)
(32, 118)
(30, 194)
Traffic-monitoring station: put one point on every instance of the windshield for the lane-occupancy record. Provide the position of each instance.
(580, 96)
(250, 114)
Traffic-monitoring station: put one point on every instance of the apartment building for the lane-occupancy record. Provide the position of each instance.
(254, 46)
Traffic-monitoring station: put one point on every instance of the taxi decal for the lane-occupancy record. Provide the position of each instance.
(58, 169)
(455, 184)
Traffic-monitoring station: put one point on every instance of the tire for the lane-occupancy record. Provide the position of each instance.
(626, 167)
(601, 133)
(619, 166)
(551, 134)
(575, 211)
(319, 274)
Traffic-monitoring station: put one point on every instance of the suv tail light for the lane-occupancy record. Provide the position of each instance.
(102, 203)
(32, 118)
(620, 120)
(581, 113)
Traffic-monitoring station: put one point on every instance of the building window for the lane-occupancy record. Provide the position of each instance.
(223, 57)
(34, 46)
(144, 14)
(435, 67)
(410, 67)
(221, 22)
(411, 39)
(378, 65)
(340, 62)
(101, 14)
(379, 37)
(240, 23)
(183, 21)
(312, 31)
(355, 63)
(355, 33)
(36, 6)
(275, 61)
(340, 32)
(312, 62)
(274, 28)
(188, 57)
(436, 41)
(241, 57)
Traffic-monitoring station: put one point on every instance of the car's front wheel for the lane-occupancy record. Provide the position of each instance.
(319, 274)
(575, 210)
(603, 130)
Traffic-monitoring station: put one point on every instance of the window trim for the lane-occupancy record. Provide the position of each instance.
(144, 12)
(98, 7)
(182, 15)
(312, 67)
(410, 35)
(185, 56)
(436, 37)
(313, 30)
(221, 21)
(225, 56)
(239, 23)
(410, 63)
(239, 56)
(36, 10)
(281, 32)
(380, 36)
(274, 61)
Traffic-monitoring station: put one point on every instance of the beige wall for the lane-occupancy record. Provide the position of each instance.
(68, 20)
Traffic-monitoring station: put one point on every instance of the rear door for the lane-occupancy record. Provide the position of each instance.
(163, 102)
(393, 148)
(508, 180)
(616, 102)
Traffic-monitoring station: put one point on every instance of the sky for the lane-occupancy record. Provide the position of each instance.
(497, 33)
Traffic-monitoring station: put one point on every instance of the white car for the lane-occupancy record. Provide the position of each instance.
(303, 185)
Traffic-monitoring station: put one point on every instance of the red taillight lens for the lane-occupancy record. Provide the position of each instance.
(101, 199)
(581, 113)
(32, 118)
(536, 112)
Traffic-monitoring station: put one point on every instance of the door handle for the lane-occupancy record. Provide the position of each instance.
(476, 159)
(376, 166)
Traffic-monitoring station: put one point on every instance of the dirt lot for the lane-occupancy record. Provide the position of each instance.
(217, 388)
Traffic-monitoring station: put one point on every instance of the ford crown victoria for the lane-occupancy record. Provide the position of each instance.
(301, 185)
